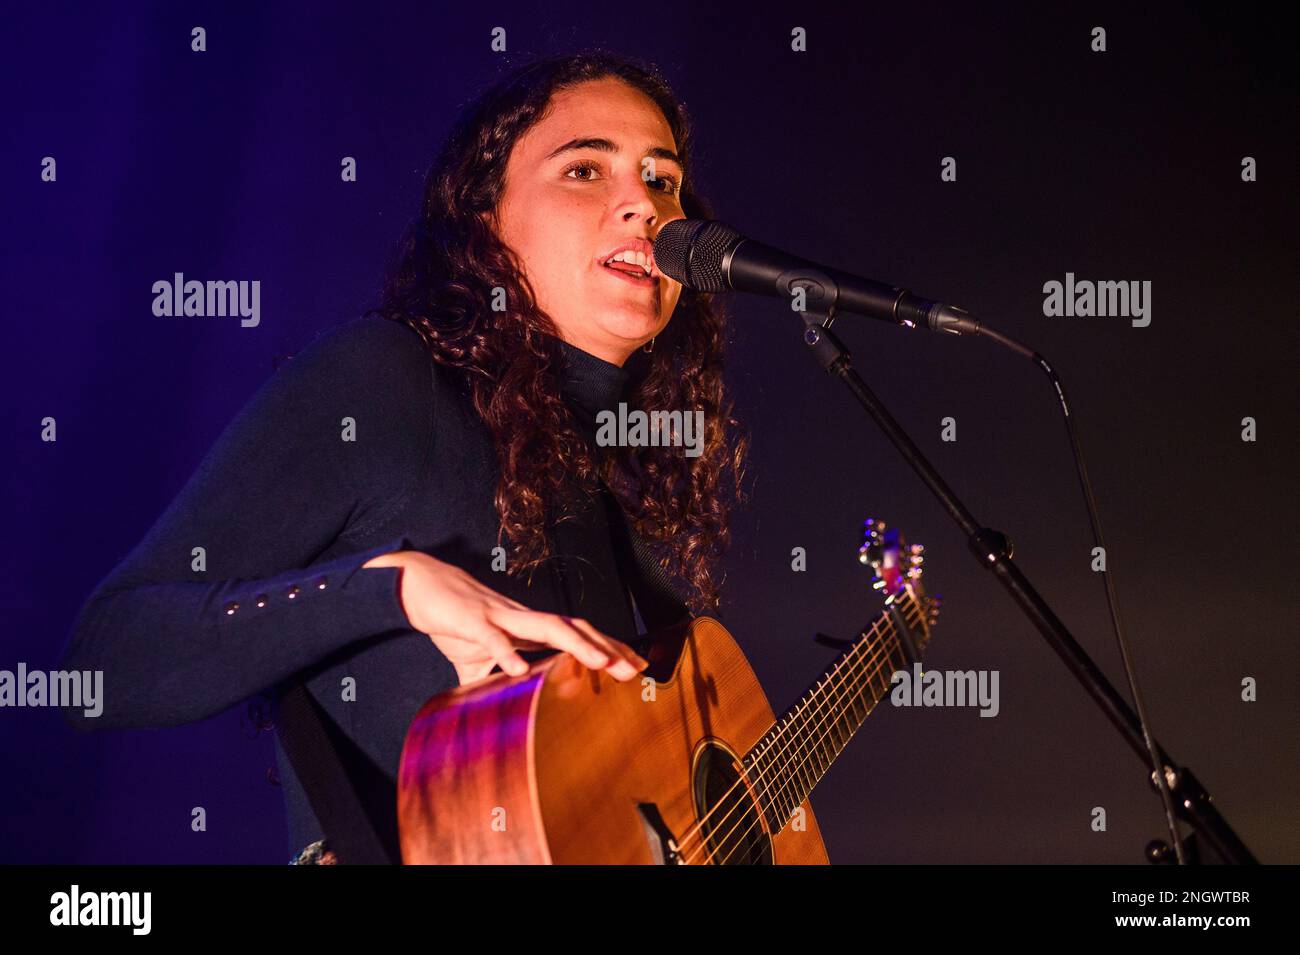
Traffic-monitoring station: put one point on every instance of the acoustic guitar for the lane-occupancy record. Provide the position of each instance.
(685, 765)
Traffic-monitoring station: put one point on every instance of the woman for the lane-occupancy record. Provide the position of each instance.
(418, 497)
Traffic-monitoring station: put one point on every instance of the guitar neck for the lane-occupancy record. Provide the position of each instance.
(793, 756)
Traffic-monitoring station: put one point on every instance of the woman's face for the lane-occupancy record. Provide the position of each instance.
(596, 172)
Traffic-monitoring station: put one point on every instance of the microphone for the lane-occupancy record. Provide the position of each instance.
(708, 256)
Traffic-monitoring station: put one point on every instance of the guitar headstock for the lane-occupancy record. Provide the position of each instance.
(898, 568)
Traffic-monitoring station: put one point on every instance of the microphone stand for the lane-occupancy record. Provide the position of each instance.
(992, 549)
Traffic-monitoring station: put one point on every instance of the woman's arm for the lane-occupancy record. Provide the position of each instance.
(178, 640)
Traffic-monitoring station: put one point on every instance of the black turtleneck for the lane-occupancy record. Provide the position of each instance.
(587, 569)
(591, 382)
(359, 446)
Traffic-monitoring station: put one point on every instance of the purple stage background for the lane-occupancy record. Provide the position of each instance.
(1122, 165)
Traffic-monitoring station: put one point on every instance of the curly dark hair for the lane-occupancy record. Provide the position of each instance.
(441, 283)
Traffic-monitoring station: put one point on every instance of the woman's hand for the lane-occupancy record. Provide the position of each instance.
(477, 628)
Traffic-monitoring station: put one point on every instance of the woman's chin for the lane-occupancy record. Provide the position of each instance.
(629, 325)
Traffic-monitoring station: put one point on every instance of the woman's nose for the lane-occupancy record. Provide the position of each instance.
(638, 200)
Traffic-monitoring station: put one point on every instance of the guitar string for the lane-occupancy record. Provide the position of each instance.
(829, 727)
(835, 679)
(835, 684)
(870, 663)
(798, 761)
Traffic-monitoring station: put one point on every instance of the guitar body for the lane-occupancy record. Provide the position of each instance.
(567, 765)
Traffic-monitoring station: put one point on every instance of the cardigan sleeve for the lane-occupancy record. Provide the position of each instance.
(327, 449)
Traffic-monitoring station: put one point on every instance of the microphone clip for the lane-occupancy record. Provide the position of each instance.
(826, 348)
(812, 293)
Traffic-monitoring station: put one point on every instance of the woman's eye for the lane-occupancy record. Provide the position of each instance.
(579, 167)
(670, 185)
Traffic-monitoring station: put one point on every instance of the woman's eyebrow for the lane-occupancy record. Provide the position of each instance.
(607, 146)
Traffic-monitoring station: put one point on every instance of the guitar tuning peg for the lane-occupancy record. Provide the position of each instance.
(917, 549)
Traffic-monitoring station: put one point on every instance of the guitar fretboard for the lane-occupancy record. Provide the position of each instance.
(793, 756)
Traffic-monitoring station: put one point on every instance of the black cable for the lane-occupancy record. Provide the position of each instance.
(1112, 601)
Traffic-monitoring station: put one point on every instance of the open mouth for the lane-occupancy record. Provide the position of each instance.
(634, 267)
(636, 278)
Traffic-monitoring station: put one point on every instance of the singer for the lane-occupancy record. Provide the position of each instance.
(417, 497)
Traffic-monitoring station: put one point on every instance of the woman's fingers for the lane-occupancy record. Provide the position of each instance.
(498, 644)
(571, 635)
(552, 631)
(472, 624)
(611, 645)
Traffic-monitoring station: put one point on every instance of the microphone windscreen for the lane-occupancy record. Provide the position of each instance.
(691, 251)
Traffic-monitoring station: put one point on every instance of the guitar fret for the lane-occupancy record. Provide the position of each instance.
(788, 762)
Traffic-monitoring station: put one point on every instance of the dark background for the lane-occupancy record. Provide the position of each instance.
(1123, 165)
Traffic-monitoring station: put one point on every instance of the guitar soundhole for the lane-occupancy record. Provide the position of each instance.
(730, 822)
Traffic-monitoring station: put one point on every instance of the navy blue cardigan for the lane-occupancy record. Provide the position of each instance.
(287, 512)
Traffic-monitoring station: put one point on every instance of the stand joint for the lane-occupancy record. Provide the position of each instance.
(990, 546)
